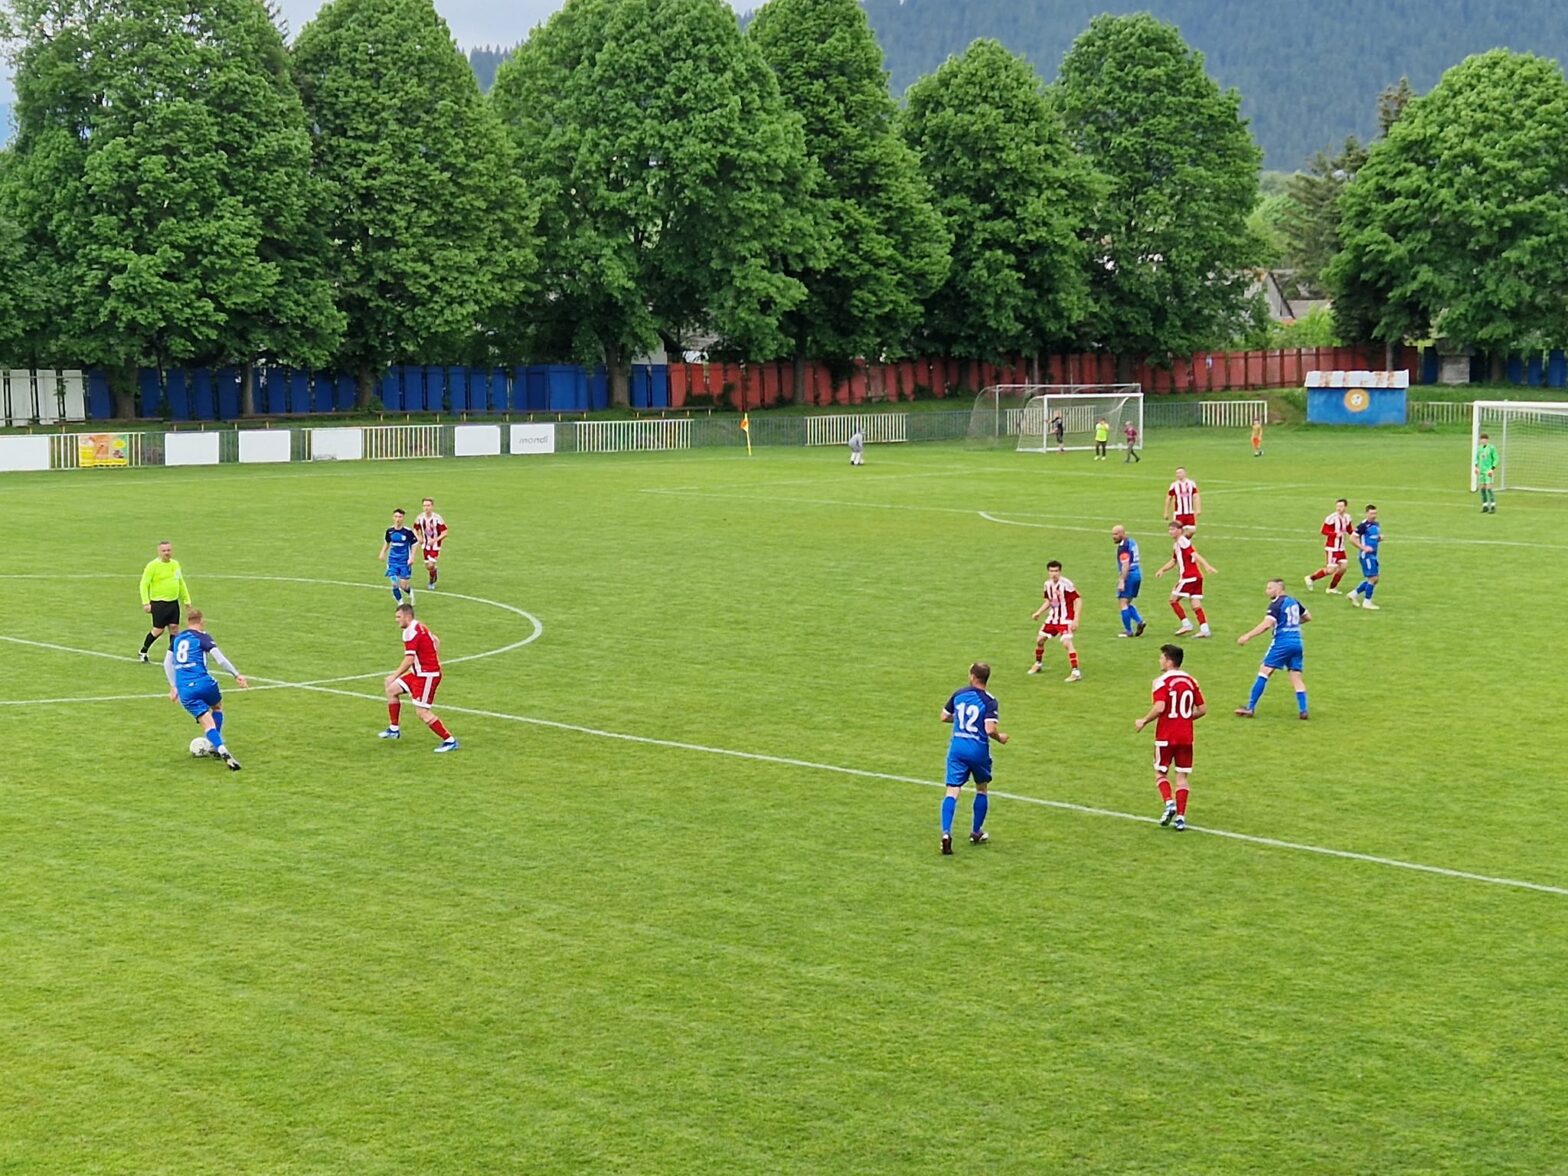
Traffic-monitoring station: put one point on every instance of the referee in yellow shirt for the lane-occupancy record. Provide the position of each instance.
(163, 591)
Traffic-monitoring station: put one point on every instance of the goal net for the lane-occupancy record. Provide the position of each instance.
(1065, 416)
(1531, 439)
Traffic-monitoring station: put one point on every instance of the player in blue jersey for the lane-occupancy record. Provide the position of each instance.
(1285, 617)
(1368, 537)
(397, 553)
(192, 685)
(1129, 579)
(972, 711)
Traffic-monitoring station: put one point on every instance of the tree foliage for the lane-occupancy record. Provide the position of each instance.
(1458, 222)
(1013, 196)
(667, 171)
(160, 190)
(1309, 74)
(1173, 255)
(884, 248)
(431, 227)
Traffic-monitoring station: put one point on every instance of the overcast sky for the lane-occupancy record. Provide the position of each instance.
(474, 22)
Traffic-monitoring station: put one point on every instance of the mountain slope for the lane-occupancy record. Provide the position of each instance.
(1309, 74)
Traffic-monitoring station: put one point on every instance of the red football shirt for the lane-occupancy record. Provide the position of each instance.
(1181, 696)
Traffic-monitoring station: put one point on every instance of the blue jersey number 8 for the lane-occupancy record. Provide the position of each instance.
(182, 653)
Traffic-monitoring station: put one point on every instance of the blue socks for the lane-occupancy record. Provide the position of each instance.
(1301, 701)
(397, 594)
(1258, 688)
(1126, 620)
(982, 803)
(949, 806)
(217, 721)
(1132, 611)
(215, 738)
(1366, 590)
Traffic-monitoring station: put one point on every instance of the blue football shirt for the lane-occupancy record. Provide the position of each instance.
(970, 708)
(190, 651)
(400, 542)
(1286, 612)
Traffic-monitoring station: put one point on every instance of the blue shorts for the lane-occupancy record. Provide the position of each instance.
(961, 767)
(200, 697)
(1130, 592)
(1368, 565)
(1288, 658)
(399, 571)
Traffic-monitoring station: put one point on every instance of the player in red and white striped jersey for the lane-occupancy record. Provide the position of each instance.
(1183, 503)
(1178, 703)
(1060, 610)
(431, 529)
(1335, 530)
(418, 676)
(1189, 581)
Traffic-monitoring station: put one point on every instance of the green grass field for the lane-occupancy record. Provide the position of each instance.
(677, 906)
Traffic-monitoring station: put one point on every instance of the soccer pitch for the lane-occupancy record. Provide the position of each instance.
(677, 905)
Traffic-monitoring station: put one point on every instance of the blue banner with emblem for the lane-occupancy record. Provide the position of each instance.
(1356, 398)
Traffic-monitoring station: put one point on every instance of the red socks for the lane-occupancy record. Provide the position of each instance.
(1338, 576)
(1177, 609)
(1202, 620)
(439, 728)
(1181, 802)
(1039, 654)
(1319, 574)
(394, 709)
(1165, 790)
(1073, 659)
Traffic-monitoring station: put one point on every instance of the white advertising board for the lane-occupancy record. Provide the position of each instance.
(337, 444)
(266, 445)
(476, 440)
(533, 438)
(187, 449)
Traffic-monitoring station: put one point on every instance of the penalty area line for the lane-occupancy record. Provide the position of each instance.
(1059, 805)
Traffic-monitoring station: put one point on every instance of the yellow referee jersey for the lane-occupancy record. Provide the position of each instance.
(164, 581)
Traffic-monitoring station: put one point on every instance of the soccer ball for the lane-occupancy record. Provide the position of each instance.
(200, 747)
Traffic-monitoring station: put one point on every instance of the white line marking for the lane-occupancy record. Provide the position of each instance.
(1062, 805)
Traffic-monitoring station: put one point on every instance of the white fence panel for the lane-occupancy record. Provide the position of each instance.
(24, 453)
(73, 395)
(398, 442)
(187, 449)
(48, 385)
(1234, 414)
(1439, 412)
(266, 445)
(337, 444)
(877, 428)
(20, 409)
(533, 438)
(632, 436)
(476, 441)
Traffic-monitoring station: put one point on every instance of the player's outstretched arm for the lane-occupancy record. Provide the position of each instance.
(1165, 567)
(1155, 712)
(994, 732)
(1035, 616)
(1207, 566)
(226, 664)
(382, 558)
(1260, 628)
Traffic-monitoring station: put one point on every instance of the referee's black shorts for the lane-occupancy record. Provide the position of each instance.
(165, 613)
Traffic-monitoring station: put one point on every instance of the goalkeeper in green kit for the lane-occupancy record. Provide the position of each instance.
(163, 591)
(1486, 474)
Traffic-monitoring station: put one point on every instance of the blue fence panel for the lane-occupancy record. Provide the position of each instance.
(1557, 369)
(149, 393)
(660, 395)
(597, 393)
(1431, 365)
(489, 391)
(538, 396)
(345, 396)
(299, 392)
(568, 388)
(640, 386)
(390, 390)
(1535, 370)
(413, 389)
(323, 387)
(226, 393)
(100, 405)
(202, 403)
(174, 395)
(1515, 370)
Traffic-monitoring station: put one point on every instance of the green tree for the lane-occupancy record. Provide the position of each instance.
(433, 234)
(1174, 256)
(1309, 218)
(161, 189)
(885, 250)
(1014, 198)
(666, 168)
(1458, 223)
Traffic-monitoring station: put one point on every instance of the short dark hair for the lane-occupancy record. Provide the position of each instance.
(399, 510)
(1175, 653)
(1055, 563)
(981, 672)
(405, 608)
(1484, 437)
(1371, 507)
(1346, 501)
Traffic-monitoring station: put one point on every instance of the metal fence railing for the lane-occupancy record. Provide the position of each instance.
(1438, 412)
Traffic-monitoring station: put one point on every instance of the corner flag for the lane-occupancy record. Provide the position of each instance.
(745, 427)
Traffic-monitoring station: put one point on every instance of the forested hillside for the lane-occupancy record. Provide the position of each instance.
(1309, 74)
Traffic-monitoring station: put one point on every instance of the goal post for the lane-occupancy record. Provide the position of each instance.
(1531, 439)
(1077, 409)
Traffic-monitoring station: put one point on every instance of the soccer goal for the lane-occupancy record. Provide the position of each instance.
(1531, 439)
(1064, 416)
